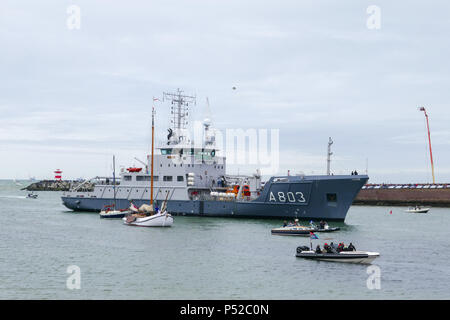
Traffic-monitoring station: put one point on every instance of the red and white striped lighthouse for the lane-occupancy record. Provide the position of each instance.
(58, 174)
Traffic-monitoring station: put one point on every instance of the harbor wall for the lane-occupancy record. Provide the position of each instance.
(384, 196)
(58, 185)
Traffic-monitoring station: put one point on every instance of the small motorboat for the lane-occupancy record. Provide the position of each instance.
(298, 230)
(160, 219)
(32, 195)
(293, 231)
(363, 257)
(417, 210)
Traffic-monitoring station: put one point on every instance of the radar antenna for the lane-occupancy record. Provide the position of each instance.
(179, 113)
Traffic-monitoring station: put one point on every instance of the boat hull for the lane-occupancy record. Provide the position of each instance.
(316, 205)
(293, 231)
(112, 214)
(418, 211)
(157, 220)
(346, 257)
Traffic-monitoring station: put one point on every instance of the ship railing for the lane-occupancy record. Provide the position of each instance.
(407, 186)
(97, 180)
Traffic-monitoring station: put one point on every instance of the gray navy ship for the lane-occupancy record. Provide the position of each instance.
(193, 179)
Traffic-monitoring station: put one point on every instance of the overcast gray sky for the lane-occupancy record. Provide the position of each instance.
(69, 99)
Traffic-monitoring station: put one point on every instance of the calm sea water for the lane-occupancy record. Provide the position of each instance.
(212, 258)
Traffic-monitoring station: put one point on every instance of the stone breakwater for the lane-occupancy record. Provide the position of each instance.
(437, 195)
(58, 185)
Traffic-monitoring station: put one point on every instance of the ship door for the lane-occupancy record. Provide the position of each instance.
(201, 207)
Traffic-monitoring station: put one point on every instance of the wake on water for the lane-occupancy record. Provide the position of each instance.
(13, 197)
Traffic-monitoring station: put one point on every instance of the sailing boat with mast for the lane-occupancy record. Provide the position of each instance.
(147, 216)
(111, 211)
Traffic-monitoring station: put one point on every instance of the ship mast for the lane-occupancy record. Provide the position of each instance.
(153, 142)
(329, 153)
(114, 180)
(429, 142)
(179, 113)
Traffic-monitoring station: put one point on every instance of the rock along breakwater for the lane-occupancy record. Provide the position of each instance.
(58, 185)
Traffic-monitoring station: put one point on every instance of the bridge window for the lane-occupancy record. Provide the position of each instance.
(167, 178)
(166, 151)
(127, 178)
(180, 178)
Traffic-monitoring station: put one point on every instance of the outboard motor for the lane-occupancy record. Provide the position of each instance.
(302, 248)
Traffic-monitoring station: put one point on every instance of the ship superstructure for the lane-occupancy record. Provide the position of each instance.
(193, 178)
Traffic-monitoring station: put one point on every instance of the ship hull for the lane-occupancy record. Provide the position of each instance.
(324, 197)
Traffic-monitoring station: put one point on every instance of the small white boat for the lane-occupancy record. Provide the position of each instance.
(293, 230)
(148, 215)
(417, 210)
(298, 230)
(160, 219)
(32, 195)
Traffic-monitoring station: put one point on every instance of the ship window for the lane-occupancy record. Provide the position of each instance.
(180, 178)
(166, 151)
(167, 178)
(155, 178)
(127, 178)
(332, 199)
(143, 178)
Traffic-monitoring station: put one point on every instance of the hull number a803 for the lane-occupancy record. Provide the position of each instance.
(292, 197)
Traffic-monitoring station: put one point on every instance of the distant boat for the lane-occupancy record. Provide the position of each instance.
(417, 210)
(32, 195)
